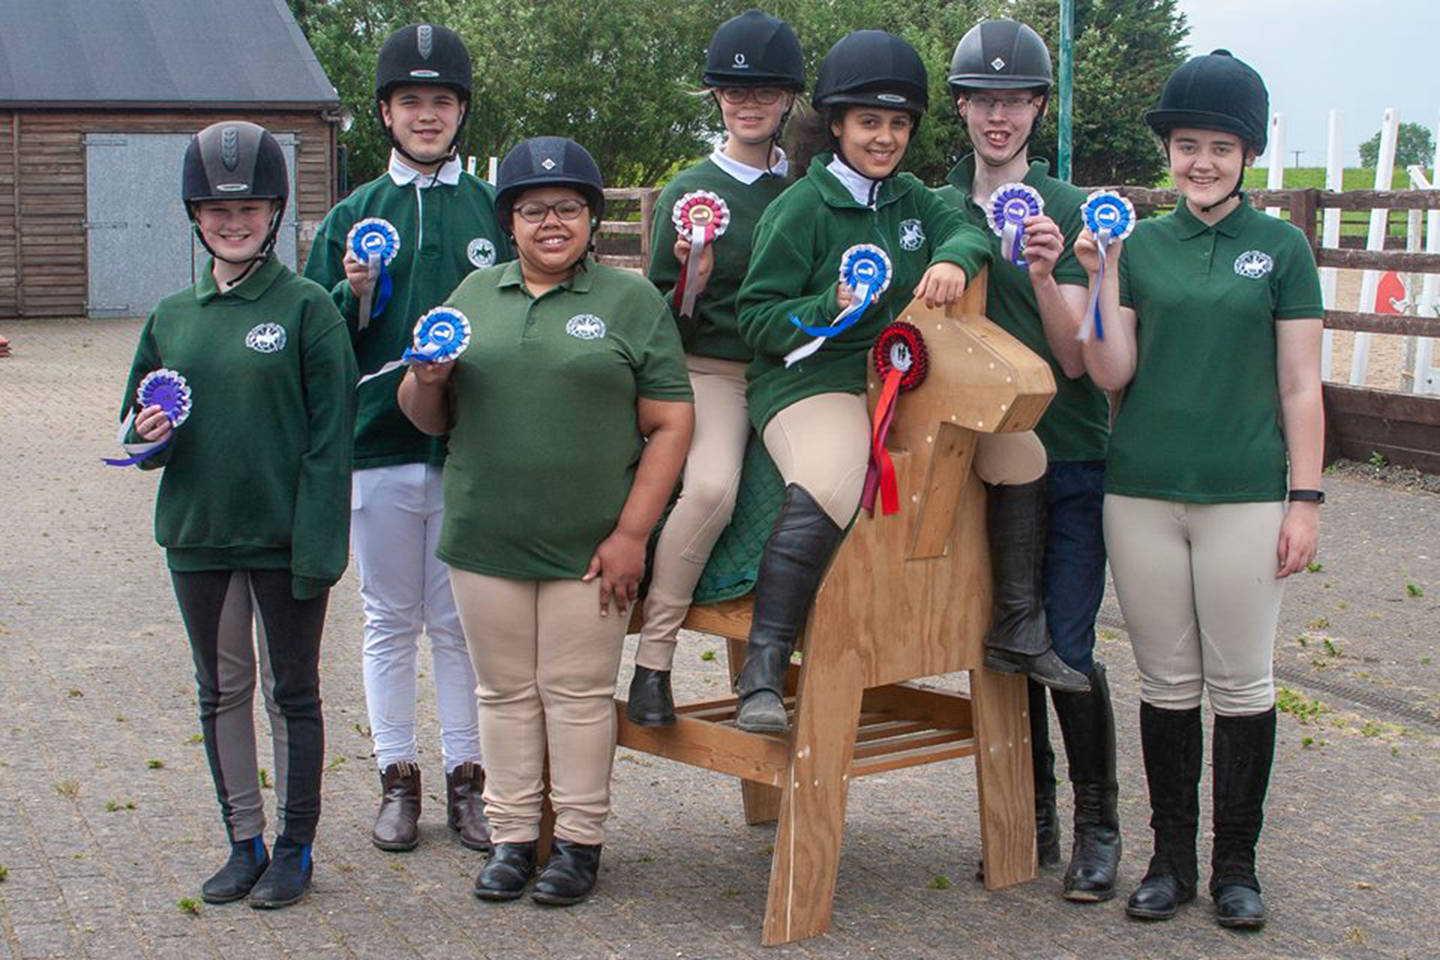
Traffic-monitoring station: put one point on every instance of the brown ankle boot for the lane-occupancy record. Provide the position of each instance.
(465, 805)
(397, 822)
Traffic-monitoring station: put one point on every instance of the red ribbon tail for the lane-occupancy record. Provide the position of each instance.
(880, 461)
(679, 296)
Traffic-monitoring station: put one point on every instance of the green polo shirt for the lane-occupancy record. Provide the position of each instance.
(258, 476)
(713, 330)
(1077, 422)
(794, 268)
(1200, 422)
(445, 231)
(545, 443)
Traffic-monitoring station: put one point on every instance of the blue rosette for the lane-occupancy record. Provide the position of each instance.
(440, 336)
(864, 268)
(162, 388)
(1009, 205)
(375, 242)
(1109, 217)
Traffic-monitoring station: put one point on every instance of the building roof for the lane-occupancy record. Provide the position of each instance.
(153, 53)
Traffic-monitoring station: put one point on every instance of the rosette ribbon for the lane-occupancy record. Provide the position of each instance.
(440, 336)
(1010, 204)
(1109, 217)
(901, 361)
(374, 242)
(161, 388)
(866, 270)
(700, 217)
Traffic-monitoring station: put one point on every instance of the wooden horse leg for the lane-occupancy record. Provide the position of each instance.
(762, 803)
(1006, 776)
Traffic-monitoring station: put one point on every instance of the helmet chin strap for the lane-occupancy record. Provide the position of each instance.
(251, 263)
(451, 152)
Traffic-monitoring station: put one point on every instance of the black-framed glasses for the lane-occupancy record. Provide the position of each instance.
(1011, 106)
(764, 96)
(534, 211)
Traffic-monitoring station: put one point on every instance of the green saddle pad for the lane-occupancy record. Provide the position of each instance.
(736, 558)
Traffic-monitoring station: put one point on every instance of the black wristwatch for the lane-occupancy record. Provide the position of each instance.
(1307, 496)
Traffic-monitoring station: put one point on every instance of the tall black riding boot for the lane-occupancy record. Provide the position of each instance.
(1018, 641)
(791, 567)
(1173, 746)
(1042, 759)
(1088, 725)
(1244, 752)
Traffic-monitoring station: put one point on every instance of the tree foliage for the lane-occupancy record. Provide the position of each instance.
(621, 77)
(1413, 145)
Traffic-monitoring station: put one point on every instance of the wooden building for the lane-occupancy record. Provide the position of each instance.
(97, 103)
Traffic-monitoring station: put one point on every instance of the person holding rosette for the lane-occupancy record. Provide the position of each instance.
(1000, 79)
(248, 379)
(1210, 321)
(753, 69)
(569, 416)
(391, 251)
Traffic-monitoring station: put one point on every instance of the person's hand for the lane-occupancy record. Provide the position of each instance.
(942, 285)
(618, 563)
(843, 295)
(152, 424)
(1087, 251)
(1043, 245)
(357, 272)
(1299, 537)
(707, 261)
(432, 374)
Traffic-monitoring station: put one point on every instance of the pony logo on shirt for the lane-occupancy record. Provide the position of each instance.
(912, 234)
(585, 326)
(1254, 264)
(266, 338)
(481, 252)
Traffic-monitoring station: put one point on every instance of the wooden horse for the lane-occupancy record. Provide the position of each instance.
(907, 596)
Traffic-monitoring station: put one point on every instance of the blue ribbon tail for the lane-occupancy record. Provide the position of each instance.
(835, 329)
(383, 288)
(131, 461)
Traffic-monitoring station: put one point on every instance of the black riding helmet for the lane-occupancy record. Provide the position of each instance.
(1002, 55)
(873, 68)
(754, 50)
(548, 162)
(235, 160)
(426, 54)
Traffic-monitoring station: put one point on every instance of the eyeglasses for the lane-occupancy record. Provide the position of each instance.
(1010, 106)
(536, 212)
(764, 96)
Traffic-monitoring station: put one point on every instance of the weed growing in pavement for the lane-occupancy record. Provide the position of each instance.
(111, 806)
(1378, 460)
(188, 905)
(68, 788)
(1314, 566)
(361, 729)
(335, 764)
(197, 738)
(708, 656)
(76, 693)
(1303, 640)
(939, 882)
(1424, 661)
(1414, 590)
(155, 764)
(1319, 623)
(1299, 706)
(264, 779)
(1330, 647)
(4, 873)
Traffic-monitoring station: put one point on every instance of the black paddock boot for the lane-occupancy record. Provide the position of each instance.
(570, 875)
(465, 806)
(397, 822)
(1018, 641)
(287, 879)
(651, 703)
(508, 870)
(794, 561)
(1088, 724)
(1244, 749)
(1173, 746)
(1042, 758)
(233, 881)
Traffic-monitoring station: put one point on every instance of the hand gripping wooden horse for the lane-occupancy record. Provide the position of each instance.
(907, 596)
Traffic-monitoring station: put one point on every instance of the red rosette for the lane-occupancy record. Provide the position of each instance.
(900, 347)
(901, 361)
(701, 208)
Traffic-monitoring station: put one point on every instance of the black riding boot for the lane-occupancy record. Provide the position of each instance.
(650, 704)
(794, 561)
(1173, 746)
(1042, 758)
(1088, 725)
(1244, 749)
(1018, 641)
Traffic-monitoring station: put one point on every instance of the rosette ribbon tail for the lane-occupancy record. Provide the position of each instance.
(1093, 320)
(1012, 242)
(685, 291)
(880, 474)
(374, 266)
(138, 451)
(864, 295)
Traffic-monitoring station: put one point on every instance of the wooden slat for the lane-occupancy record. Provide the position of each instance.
(912, 758)
(750, 756)
(626, 227)
(1388, 404)
(1402, 427)
(908, 743)
(1379, 260)
(1391, 323)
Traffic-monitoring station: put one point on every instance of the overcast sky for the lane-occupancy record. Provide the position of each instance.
(1358, 56)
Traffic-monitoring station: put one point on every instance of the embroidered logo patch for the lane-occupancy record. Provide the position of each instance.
(266, 338)
(585, 326)
(912, 234)
(739, 62)
(1254, 264)
(481, 252)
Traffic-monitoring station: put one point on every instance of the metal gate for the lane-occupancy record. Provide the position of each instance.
(139, 244)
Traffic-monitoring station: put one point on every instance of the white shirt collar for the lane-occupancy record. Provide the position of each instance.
(747, 174)
(403, 174)
(860, 186)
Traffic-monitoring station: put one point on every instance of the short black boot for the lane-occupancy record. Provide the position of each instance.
(651, 703)
(1173, 747)
(287, 879)
(1042, 759)
(570, 875)
(465, 806)
(248, 860)
(1244, 750)
(508, 870)
(1018, 641)
(397, 822)
(794, 561)
(1087, 723)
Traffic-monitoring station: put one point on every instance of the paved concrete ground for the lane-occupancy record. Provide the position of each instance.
(108, 821)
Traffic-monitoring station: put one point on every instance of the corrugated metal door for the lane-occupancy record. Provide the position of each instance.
(138, 240)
